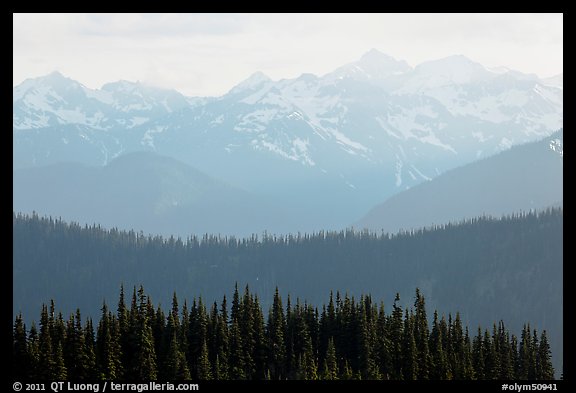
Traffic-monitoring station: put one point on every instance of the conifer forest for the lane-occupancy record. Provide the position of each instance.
(345, 339)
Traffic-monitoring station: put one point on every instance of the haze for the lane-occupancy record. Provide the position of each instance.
(207, 54)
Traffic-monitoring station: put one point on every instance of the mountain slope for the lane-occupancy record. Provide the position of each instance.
(377, 113)
(153, 193)
(326, 147)
(525, 177)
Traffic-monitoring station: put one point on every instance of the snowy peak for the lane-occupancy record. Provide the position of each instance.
(52, 100)
(122, 86)
(134, 96)
(456, 69)
(253, 82)
(378, 61)
(55, 100)
(373, 65)
(555, 81)
(53, 83)
(376, 113)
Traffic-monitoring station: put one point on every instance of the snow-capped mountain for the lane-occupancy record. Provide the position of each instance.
(55, 100)
(555, 81)
(523, 178)
(365, 131)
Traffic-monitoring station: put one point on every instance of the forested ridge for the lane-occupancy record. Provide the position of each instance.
(489, 269)
(345, 339)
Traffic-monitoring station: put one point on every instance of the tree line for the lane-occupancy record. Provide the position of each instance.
(453, 259)
(346, 339)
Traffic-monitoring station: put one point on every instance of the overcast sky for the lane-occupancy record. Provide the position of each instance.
(207, 54)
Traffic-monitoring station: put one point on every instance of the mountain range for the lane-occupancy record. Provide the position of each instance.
(376, 144)
(327, 148)
(523, 178)
(153, 193)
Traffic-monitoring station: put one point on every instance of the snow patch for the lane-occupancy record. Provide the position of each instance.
(423, 176)
(148, 138)
(505, 144)
(479, 136)
(136, 121)
(398, 173)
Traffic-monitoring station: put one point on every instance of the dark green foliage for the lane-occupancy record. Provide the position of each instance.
(143, 365)
(484, 267)
(76, 353)
(361, 342)
(330, 369)
(421, 336)
(204, 370)
(108, 350)
(478, 356)
(275, 336)
(544, 369)
(492, 358)
(396, 332)
(440, 371)
(20, 356)
(34, 368)
(46, 359)
(59, 372)
(410, 359)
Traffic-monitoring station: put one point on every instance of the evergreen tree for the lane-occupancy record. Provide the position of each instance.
(346, 371)
(58, 329)
(478, 356)
(505, 353)
(421, 333)
(456, 355)
(198, 333)
(524, 354)
(222, 343)
(275, 332)
(514, 354)
(291, 362)
(533, 355)
(492, 360)
(124, 336)
(236, 355)
(544, 369)
(20, 357)
(330, 368)
(108, 352)
(468, 368)
(204, 368)
(367, 335)
(260, 347)
(161, 336)
(396, 338)
(367, 348)
(46, 359)
(175, 366)
(33, 353)
(59, 371)
(446, 335)
(144, 366)
(384, 345)
(175, 313)
(90, 350)
(409, 350)
(75, 356)
(327, 325)
(308, 367)
(440, 370)
(247, 331)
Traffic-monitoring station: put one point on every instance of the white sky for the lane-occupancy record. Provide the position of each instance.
(207, 54)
